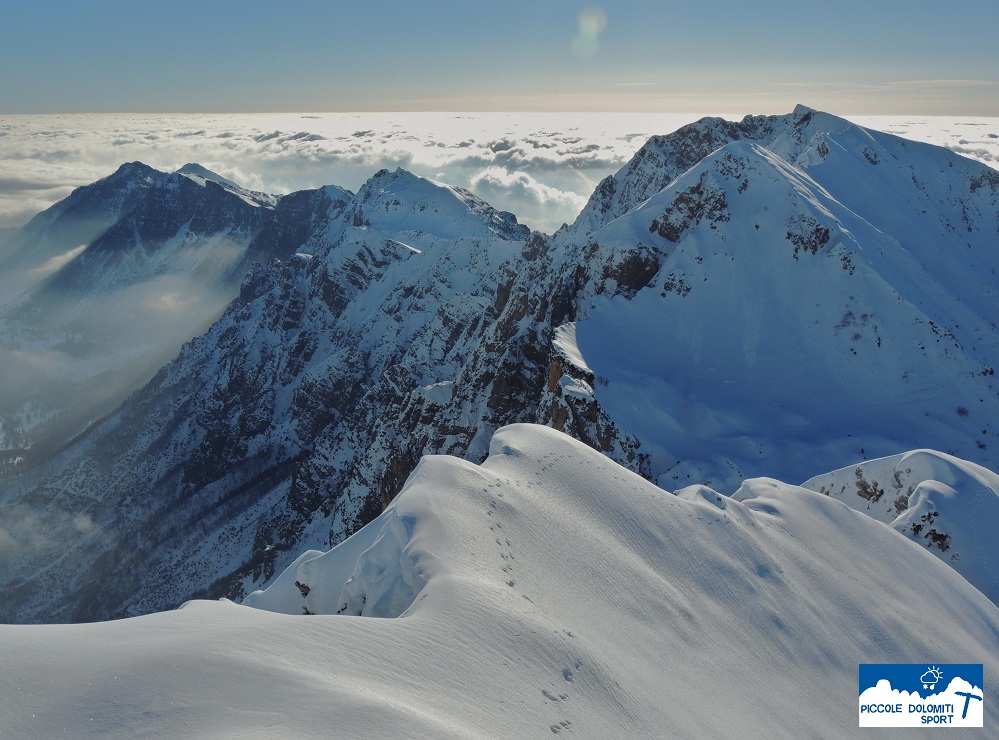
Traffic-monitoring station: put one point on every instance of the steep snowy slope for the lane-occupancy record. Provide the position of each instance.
(808, 313)
(548, 591)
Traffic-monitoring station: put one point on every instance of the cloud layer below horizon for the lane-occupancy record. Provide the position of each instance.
(542, 167)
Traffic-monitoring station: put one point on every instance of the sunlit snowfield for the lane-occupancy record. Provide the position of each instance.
(542, 167)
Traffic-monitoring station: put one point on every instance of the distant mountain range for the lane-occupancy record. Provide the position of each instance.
(781, 296)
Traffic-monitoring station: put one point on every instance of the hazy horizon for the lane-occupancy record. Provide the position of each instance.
(540, 166)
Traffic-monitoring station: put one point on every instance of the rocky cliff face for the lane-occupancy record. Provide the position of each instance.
(727, 304)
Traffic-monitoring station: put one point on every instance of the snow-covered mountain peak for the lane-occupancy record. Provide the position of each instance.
(336, 193)
(133, 171)
(741, 181)
(776, 271)
(663, 158)
(401, 201)
(74, 221)
(788, 136)
(106, 285)
(200, 174)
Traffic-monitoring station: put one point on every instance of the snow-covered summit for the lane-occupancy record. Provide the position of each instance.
(106, 285)
(201, 174)
(403, 202)
(803, 137)
(665, 157)
(781, 289)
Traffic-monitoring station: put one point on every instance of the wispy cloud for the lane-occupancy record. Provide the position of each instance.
(26, 531)
(906, 85)
(54, 263)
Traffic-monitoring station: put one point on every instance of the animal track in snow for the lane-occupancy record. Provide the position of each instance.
(569, 673)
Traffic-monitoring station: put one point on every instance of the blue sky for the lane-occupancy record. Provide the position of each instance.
(878, 56)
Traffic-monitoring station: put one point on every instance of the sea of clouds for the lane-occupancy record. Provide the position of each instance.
(542, 167)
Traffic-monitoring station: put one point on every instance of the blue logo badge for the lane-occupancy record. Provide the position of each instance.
(922, 695)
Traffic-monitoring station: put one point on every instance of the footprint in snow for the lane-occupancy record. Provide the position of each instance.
(563, 725)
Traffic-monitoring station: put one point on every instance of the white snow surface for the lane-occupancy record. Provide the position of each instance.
(947, 505)
(546, 591)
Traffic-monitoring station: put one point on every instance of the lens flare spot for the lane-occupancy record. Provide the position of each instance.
(586, 43)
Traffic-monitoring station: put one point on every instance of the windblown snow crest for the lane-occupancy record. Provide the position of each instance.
(550, 550)
(549, 579)
(780, 296)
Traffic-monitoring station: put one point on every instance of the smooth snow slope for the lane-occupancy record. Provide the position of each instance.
(546, 591)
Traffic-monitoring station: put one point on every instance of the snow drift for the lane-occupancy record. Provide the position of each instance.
(547, 590)
(947, 505)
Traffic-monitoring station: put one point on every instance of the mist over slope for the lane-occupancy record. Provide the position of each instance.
(103, 288)
(739, 300)
(546, 591)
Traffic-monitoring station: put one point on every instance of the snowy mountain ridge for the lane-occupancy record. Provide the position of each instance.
(546, 591)
(745, 314)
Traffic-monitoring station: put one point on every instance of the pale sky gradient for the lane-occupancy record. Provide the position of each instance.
(851, 57)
